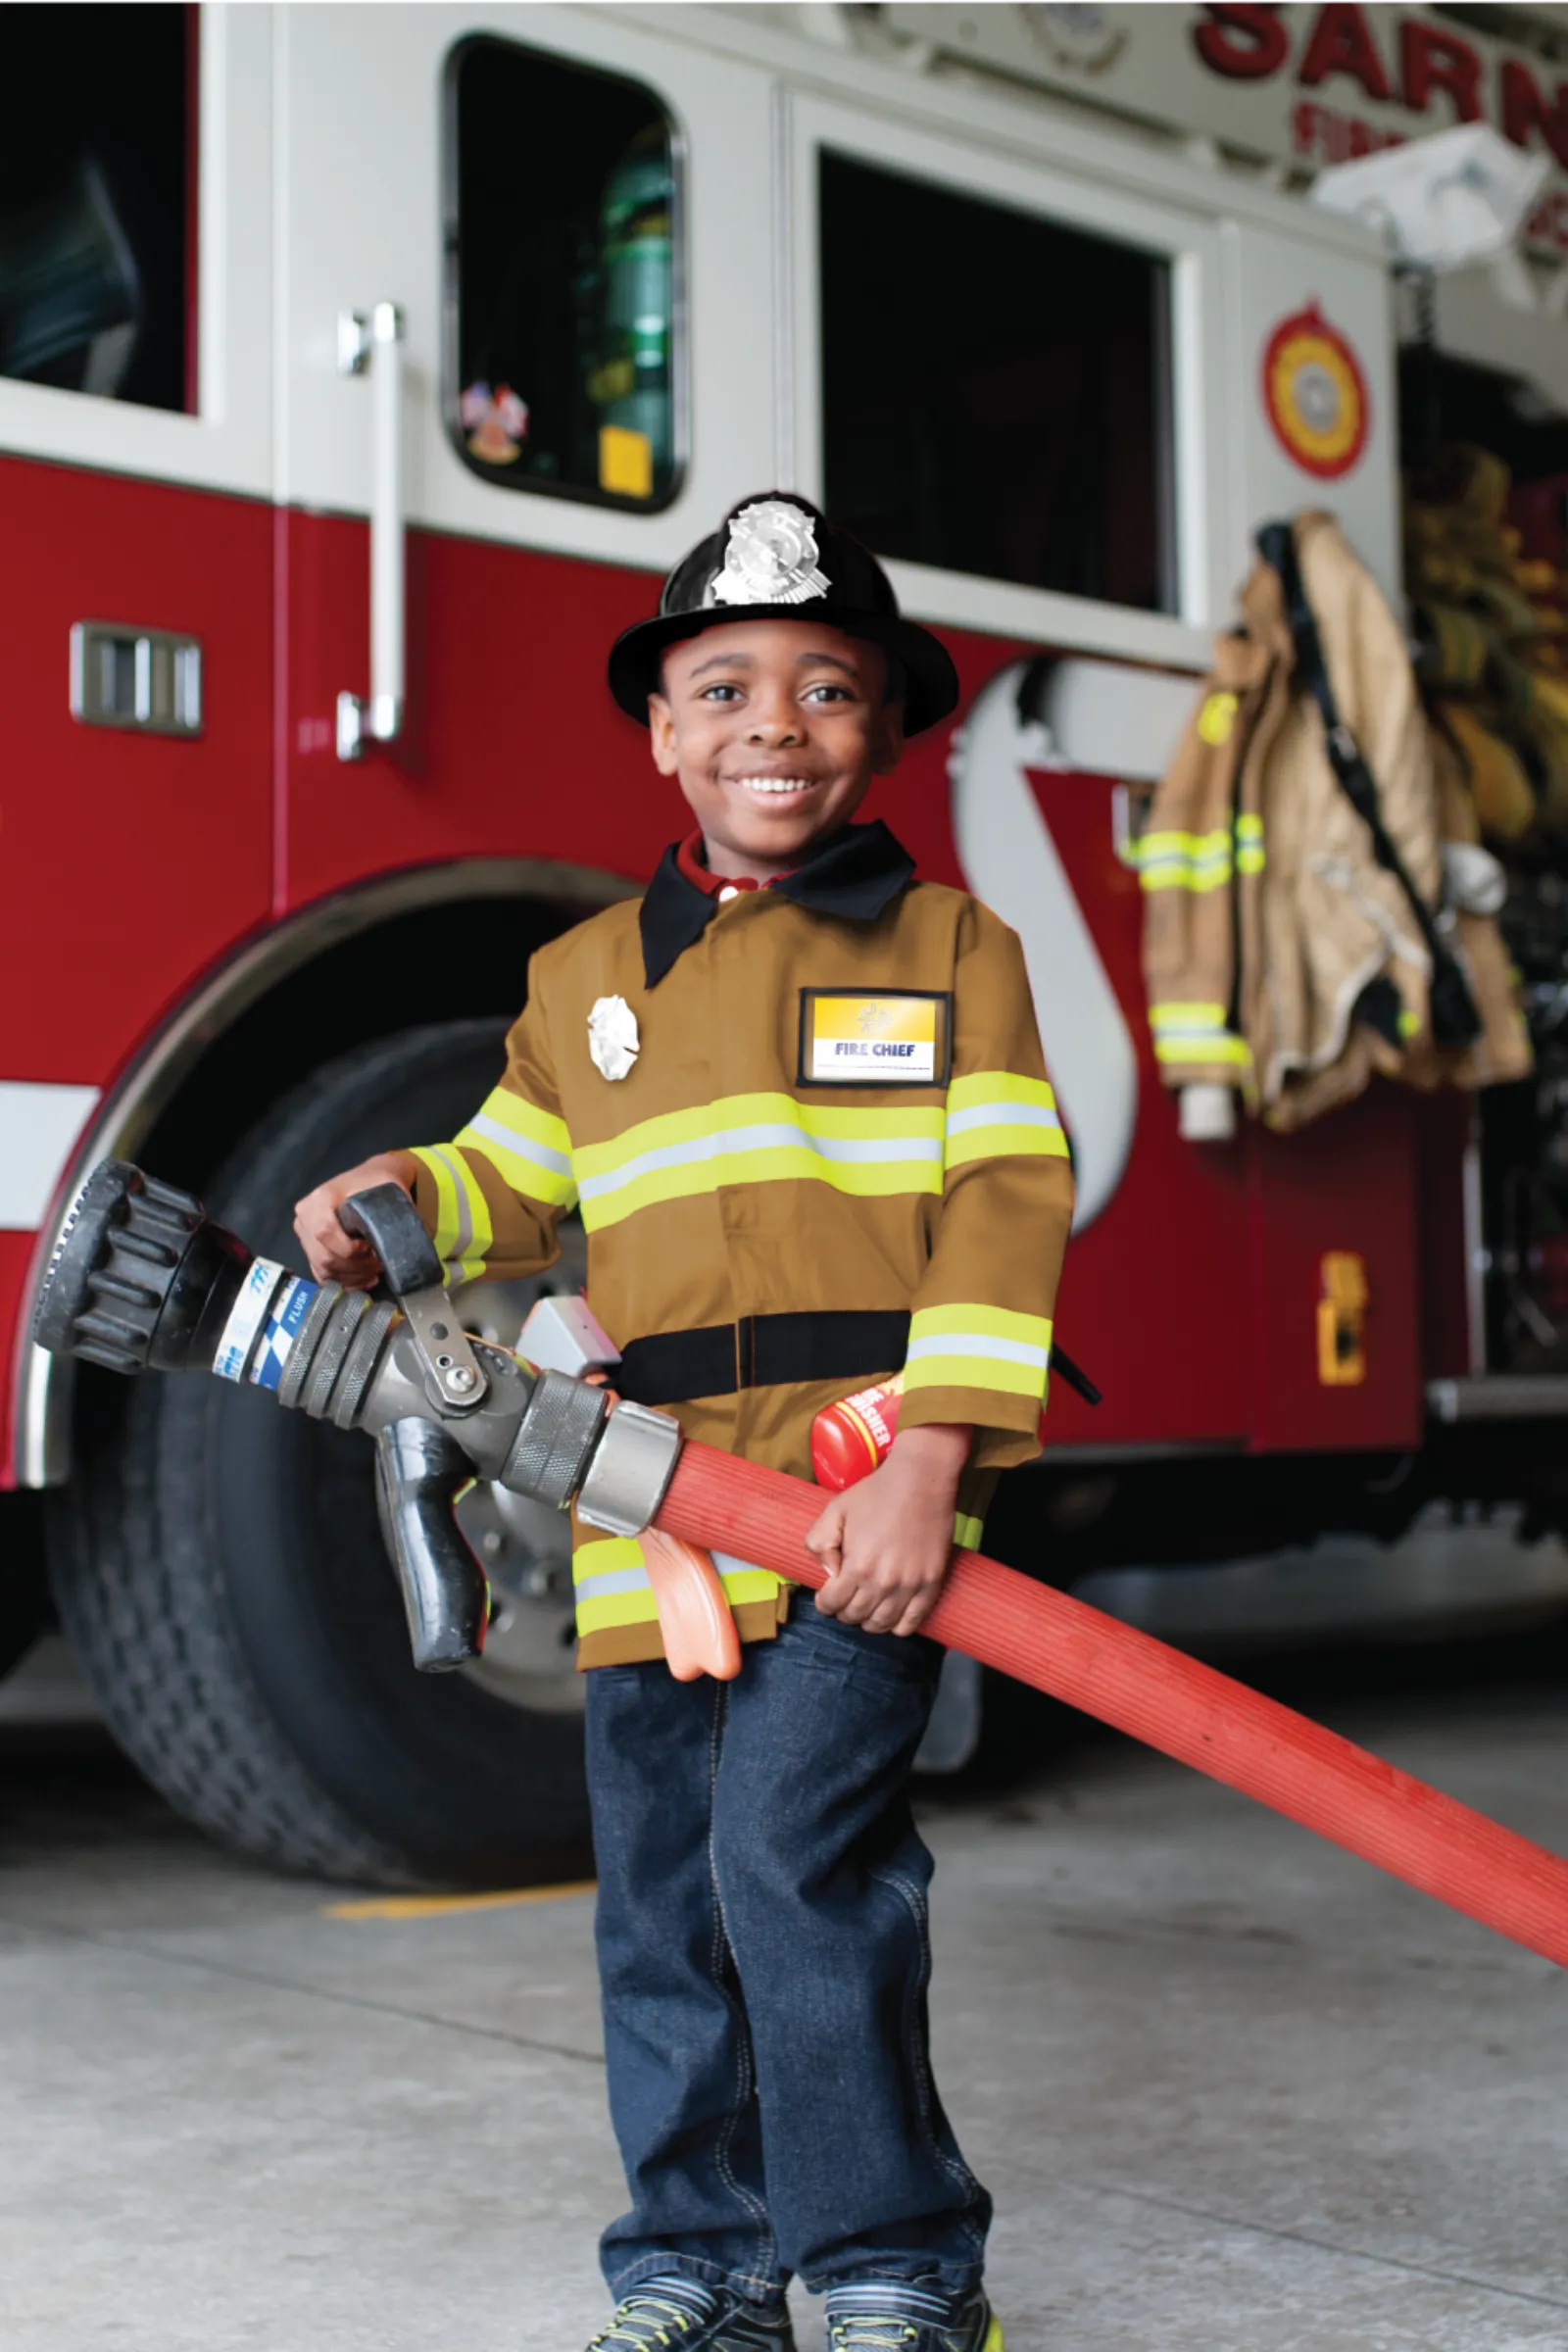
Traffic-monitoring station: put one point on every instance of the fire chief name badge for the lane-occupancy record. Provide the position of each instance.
(889, 1037)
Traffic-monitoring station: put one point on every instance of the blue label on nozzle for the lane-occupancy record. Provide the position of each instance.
(289, 1311)
(246, 1317)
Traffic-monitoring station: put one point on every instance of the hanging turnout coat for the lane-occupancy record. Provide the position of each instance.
(833, 1151)
(1267, 915)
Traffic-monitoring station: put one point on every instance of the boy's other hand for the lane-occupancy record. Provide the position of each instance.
(886, 1543)
(332, 1254)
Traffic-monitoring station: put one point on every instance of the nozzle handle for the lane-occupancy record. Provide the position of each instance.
(387, 1218)
(420, 1469)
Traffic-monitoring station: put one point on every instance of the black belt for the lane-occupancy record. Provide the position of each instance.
(762, 1352)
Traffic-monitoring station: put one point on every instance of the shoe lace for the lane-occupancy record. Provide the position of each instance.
(642, 2322)
(871, 2331)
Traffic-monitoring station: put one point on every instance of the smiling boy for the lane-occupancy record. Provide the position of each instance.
(801, 1100)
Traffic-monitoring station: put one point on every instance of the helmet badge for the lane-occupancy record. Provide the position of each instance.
(770, 558)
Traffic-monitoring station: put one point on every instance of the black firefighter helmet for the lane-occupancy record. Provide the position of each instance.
(774, 558)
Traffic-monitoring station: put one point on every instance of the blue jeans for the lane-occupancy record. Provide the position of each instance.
(763, 1958)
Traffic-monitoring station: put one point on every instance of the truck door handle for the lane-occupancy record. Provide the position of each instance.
(372, 343)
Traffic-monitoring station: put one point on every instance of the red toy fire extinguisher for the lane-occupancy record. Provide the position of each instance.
(853, 1437)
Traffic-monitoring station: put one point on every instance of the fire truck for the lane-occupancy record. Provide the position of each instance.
(362, 370)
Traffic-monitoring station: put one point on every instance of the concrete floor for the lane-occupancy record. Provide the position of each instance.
(1231, 2089)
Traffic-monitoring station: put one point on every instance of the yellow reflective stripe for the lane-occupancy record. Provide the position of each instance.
(1184, 873)
(1185, 845)
(1196, 862)
(1186, 1033)
(991, 1322)
(610, 1579)
(1175, 1015)
(997, 1086)
(968, 1531)
(530, 1148)
(972, 1346)
(1199, 861)
(1005, 1137)
(462, 1232)
(758, 1139)
(913, 1127)
(1198, 1033)
(523, 1123)
(625, 1608)
(742, 1583)
(603, 1556)
(965, 1371)
(612, 1585)
(994, 1113)
(524, 1175)
(445, 1236)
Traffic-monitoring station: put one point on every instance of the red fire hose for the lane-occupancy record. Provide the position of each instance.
(1169, 1701)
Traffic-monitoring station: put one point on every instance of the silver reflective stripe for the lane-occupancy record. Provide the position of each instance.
(1002, 1114)
(635, 1580)
(558, 1162)
(460, 1181)
(612, 1580)
(979, 1343)
(733, 1141)
(728, 1565)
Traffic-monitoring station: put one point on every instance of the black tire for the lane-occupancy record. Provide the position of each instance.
(24, 1610)
(219, 1568)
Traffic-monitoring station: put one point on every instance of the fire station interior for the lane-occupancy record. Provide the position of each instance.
(277, 1913)
(96, 239)
(1449, 409)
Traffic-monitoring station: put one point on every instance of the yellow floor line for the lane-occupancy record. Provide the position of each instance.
(435, 1906)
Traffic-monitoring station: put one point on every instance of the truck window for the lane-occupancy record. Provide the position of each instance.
(562, 277)
(994, 389)
(97, 207)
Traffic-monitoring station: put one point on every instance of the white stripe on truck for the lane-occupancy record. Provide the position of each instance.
(38, 1127)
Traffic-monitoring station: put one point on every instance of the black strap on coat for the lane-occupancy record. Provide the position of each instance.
(1454, 1018)
(717, 1359)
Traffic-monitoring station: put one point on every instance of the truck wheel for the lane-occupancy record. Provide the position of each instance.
(219, 1567)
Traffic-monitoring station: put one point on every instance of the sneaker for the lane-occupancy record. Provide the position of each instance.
(882, 2316)
(680, 2314)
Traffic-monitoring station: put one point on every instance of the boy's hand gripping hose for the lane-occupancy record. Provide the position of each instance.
(140, 1279)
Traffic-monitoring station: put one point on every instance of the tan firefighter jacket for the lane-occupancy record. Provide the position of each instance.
(1265, 911)
(834, 1115)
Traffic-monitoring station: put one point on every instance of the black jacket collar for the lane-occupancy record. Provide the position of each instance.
(855, 872)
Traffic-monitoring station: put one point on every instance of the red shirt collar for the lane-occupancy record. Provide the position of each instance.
(689, 858)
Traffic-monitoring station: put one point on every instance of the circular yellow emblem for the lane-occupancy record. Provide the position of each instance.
(1315, 394)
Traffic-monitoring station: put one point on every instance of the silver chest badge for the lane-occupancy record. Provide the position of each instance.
(613, 1038)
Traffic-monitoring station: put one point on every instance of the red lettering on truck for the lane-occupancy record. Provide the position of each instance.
(1245, 44)
(1437, 60)
(1341, 43)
